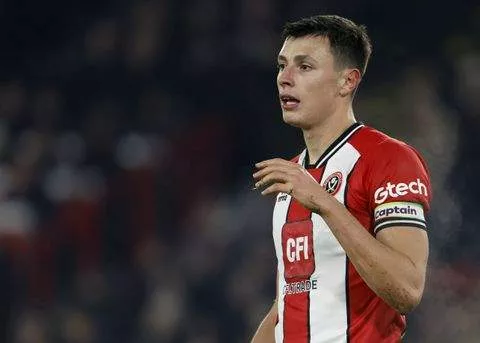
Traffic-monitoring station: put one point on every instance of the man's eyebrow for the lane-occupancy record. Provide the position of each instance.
(301, 58)
(297, 58)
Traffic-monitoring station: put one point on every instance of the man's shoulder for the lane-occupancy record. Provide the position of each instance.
(373, 142)
(383, 154)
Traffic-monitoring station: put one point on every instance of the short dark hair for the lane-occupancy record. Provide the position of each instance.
(349, 42)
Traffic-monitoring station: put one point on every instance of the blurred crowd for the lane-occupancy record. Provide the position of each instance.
(128, 134)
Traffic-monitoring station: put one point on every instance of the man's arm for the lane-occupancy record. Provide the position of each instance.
(266, 331)
(393, 264)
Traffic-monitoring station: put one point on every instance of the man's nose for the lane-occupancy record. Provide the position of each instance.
(285, 77)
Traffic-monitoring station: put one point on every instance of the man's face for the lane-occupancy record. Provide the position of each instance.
(307, 81)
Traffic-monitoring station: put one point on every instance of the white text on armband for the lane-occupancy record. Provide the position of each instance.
(398, 214)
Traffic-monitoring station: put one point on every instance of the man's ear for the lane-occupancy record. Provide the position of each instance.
(349, 81)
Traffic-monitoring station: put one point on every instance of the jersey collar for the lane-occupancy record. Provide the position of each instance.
(332, 149)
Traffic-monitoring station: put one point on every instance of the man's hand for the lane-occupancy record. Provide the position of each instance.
(278, 175)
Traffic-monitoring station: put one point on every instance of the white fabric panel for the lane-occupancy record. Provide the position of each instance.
(328, 306)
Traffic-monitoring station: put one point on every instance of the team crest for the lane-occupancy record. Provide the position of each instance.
(332, 183)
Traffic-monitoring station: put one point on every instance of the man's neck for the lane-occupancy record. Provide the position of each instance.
(319, 138)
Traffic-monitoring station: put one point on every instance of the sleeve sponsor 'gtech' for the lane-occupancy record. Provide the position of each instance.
(399, 187)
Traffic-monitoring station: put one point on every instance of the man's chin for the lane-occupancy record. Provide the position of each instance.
(293, 119)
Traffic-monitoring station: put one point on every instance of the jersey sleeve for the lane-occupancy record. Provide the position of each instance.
(398, 188)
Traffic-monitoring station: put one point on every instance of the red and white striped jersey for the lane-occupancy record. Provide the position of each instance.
(321, 298)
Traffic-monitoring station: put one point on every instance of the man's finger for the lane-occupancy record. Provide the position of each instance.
(277, 188)
(273, 189)
(273, 177)
(272, 161)
(270, 169)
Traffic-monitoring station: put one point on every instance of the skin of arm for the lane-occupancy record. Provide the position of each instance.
(266, 330)
(393, 264)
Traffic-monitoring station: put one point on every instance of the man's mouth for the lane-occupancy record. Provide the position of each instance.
(289, 102)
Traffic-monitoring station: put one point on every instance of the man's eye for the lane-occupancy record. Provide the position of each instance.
(280, 66)
(305, 67)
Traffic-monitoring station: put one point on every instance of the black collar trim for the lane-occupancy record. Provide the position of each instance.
(334, 147)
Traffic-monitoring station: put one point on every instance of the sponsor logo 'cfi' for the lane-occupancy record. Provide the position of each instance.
(394, 190)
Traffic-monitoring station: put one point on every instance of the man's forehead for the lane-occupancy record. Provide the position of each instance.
(314, 46)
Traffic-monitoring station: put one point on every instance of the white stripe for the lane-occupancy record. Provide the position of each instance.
(280, 212)
(328, 304)
(346, 138)
(301, 158)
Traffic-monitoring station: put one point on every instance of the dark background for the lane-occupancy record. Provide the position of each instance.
(128, 134)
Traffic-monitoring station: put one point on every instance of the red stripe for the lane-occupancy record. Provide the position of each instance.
(297, 243)
(296, 328)
(370, 319)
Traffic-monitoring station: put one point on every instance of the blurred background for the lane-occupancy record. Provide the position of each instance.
(128, 134)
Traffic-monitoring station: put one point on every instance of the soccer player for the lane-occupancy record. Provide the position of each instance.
(349, 218)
